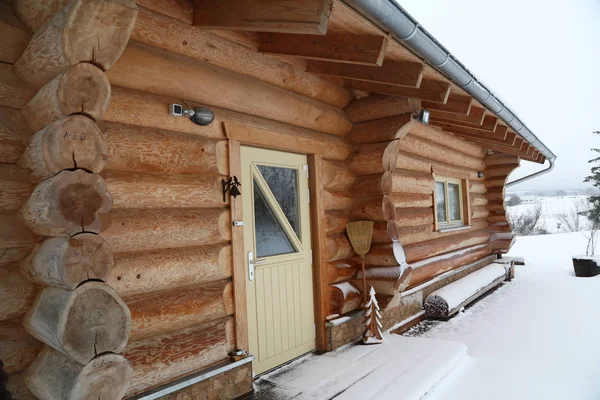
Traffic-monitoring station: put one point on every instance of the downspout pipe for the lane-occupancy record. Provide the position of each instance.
(390, 17)
(531, 176)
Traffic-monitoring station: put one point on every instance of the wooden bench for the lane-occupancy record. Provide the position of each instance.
(447, 301)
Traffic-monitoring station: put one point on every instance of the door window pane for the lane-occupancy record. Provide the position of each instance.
(270, 238)
(283, 183)
(440, 201)
(454, 201)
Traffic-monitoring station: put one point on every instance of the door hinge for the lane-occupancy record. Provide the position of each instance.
(305, 168)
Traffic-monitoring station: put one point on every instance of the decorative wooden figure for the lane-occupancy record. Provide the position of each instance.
(372, 333)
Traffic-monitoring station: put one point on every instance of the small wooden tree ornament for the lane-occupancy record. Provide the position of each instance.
(372, 333)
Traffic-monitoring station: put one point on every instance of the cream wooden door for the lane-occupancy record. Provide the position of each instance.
(279, 287)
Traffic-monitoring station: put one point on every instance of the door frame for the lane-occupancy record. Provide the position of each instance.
(239, 135)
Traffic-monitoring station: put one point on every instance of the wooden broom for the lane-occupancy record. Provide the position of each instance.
(361, 234)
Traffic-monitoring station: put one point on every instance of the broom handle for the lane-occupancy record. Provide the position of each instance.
(364, 281)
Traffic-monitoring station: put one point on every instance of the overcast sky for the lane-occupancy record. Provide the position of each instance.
(542, 58)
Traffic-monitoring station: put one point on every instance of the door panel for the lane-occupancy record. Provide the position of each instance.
(277, 232)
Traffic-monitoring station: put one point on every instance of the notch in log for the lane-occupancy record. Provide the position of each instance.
(80, 323)
(68, 203)
(54, 376)
(72, 142)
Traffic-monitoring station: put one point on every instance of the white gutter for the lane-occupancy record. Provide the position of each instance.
(389, 16)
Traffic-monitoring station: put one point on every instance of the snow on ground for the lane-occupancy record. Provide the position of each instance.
(550, 207)
(535, 337)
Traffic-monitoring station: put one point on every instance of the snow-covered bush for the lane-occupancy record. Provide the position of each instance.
(527, 222)
(574, 220)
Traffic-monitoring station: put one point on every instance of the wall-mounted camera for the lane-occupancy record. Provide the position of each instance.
(198, 115)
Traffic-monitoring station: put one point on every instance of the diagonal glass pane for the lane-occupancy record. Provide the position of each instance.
(271, 239)
(283, 183)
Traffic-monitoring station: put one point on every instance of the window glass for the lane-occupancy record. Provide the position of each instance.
(270, 238)
(283, 183)
(454, 202)
(440, 199)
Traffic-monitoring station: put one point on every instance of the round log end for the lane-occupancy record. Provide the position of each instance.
(107, 376)
(388, 208)
(84, 88)
(392, 230)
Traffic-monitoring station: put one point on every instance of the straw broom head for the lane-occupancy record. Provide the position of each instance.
(360, 234)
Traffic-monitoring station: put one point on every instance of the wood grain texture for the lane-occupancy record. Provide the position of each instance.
(203, 45)
(34, 13)
(145, 191)
(16, 293)
(336, 200)
(377, 106)
(14, 187)
(17, 347)
(131, 148)
(336, 175)
(72, 142)
(16, 240)
(432, 91)
(67, 203)
(390, 72)
(66, 262)
(381, 130)
(14, 135)
(162, 358)
(14, 93)
(82, 88)
(404, 181)
(81, 323)
(437, 152)
(354, 49)
(341, 271)
(335, 221)
(88, 31)
(344, 297)
(139, 66)
(301, 17)
(17, 387)
(165, 312)
(137, 230)
(368, 159)
(447, 140)
(15, 35)
(338, 248)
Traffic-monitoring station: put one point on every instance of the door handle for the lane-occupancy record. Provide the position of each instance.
(251, 263)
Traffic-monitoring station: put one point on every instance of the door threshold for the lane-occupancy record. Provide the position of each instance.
(280, 367)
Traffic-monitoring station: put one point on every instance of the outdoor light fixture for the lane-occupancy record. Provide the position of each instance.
(424, 116)
(480, 174)
(198, 115)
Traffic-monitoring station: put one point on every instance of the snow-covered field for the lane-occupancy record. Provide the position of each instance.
(550, 207)
(534, 338)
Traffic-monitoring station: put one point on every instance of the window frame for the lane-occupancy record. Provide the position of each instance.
(464, 204)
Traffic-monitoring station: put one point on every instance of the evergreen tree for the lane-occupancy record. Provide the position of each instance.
(593, 212)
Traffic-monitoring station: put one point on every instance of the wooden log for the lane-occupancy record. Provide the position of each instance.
(370, 185)
(34, 14)
(334, 200)
(341, 271)
(375, 208)
(392, 72)
(137, 230)
(307, 17)
(478, 200)
(14, 135)
(495, 194)
(433, 151)
(72, 142)
(335, 222)
(164, 312)
(477, 188)
(413, 163)
(13, 186)
(15, 35)
(380, 130)
(422, 233)
(409, 200)
(139, 64)
(387, 281)
(162, 358)
(414, 216)
(14, 93)
(343, 298)
(451, 171)
(162, 270)
(200, 44)
(499, 171)
(377, 106)
(445, 139)
(17, 387)
(384, 231)
(66, 262)
(135, 190)
(132, 148)
(419, 251)
(430, 267)
(404, 181)
(82, 89)
(335, 175)
(82, 31)
(18, 348)
(338, 248)
(80, 323)
(373, 158)
(16, 240)
(338, 47)
(54, 376)
(67, 203)
(16, 292)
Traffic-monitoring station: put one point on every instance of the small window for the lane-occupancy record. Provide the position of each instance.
(449, 207)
